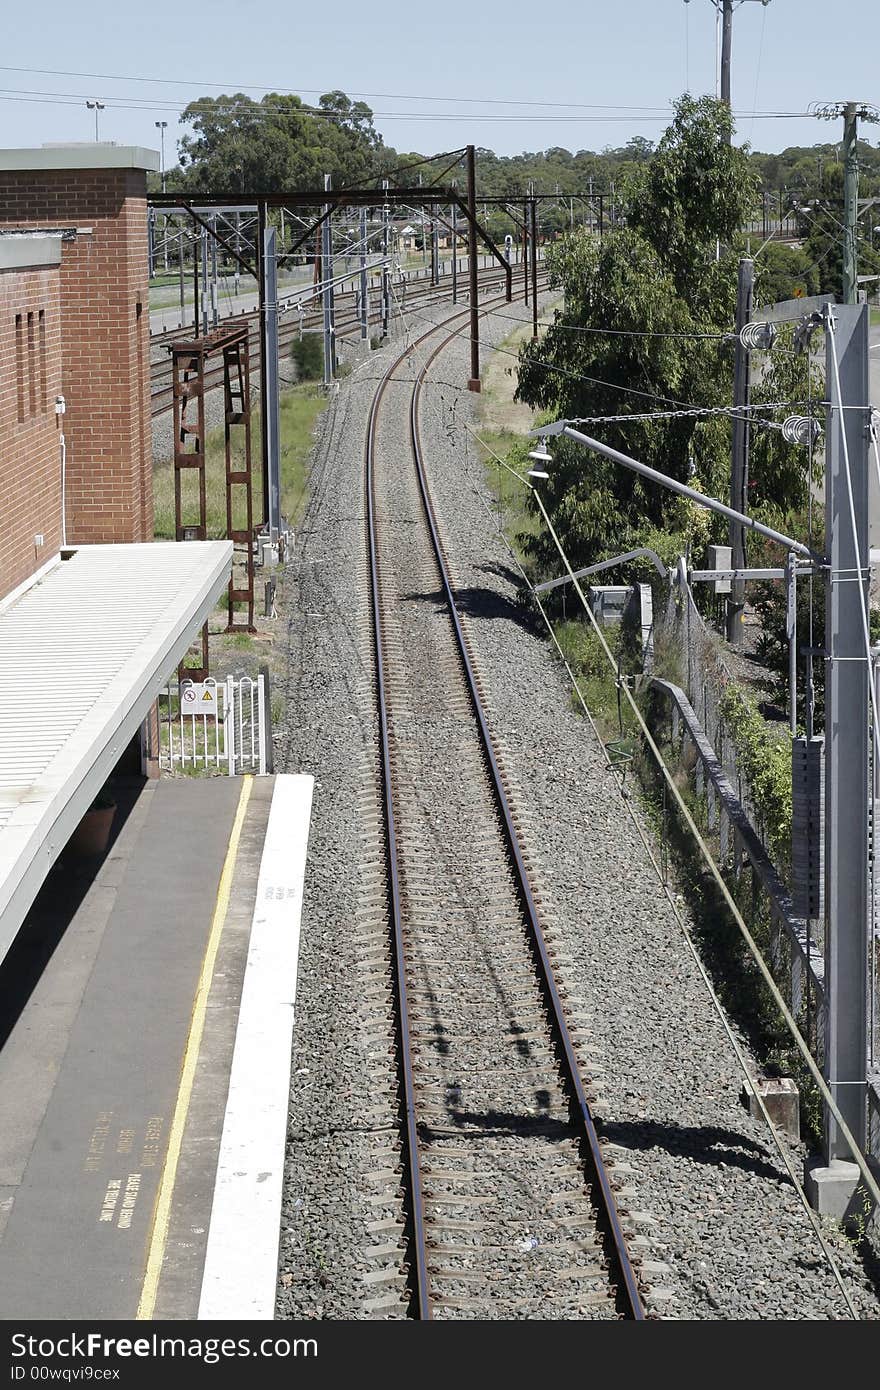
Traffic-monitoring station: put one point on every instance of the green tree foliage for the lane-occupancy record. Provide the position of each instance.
(784, 272)
(278, 144)
(657, 276)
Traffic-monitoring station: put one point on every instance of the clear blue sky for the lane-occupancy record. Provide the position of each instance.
(432, 86)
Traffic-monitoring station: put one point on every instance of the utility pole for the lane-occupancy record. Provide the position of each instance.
(386, 280)
(847, 722)
(196, 256)
(850, 201)
(726, 41)
(327, 290)
(533, 228)
(725, 13)
(263, 315)
(215, 308)
(852, 112)
(180, 267)
(474, 381)
(739, 468)
(204, 305)
(365, 299)
(270, 404)
(454, 220)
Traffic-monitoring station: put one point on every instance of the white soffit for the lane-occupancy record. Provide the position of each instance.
(83, 655)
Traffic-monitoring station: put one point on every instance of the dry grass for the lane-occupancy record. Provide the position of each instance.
(300, 408)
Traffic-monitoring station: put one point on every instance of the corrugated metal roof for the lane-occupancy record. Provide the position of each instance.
(83, 654)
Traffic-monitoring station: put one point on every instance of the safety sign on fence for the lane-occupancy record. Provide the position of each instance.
(206, 726)
(199, 697)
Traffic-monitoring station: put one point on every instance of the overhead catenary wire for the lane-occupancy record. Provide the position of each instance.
(404, 168)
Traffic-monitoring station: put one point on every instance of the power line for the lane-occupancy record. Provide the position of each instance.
(315, 91)
(622, 332)
(681, 407)
(635, 114)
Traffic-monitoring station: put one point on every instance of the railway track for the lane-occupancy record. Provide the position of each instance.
(347, 325)
(510, 1211)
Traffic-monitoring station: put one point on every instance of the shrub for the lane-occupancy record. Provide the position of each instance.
(765, 762)
(307, 356)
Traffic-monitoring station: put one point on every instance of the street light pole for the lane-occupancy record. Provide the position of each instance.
(161, 127)
(95, 106)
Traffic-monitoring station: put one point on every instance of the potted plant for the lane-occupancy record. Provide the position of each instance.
(92, 835)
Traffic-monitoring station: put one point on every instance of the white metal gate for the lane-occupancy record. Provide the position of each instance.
(214, 727)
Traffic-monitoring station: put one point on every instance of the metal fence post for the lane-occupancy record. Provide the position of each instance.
(229, 725)
(266, 720)
(261, 719)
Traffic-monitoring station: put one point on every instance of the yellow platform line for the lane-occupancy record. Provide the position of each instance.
(162, 1212)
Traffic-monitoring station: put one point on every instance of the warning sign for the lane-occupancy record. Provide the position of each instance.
(199, 697)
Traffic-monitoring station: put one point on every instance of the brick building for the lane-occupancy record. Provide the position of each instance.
(89, 628)
(30, 381)
(94, 197)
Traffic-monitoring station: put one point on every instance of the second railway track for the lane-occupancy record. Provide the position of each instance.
(413, 300)
(510, 1210)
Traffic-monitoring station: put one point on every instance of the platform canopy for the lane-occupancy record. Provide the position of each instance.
(84, 652)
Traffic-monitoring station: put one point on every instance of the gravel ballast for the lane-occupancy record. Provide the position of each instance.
(707, 1199)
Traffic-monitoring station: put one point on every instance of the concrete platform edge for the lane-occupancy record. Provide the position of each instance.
(241, 1261)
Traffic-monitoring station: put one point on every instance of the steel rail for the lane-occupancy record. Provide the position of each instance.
(626, 1286)
(631, 1299)
(417, 1212)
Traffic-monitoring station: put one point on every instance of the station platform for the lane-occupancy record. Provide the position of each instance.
(147, 1012)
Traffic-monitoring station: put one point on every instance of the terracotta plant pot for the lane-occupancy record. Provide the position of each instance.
(92, 835)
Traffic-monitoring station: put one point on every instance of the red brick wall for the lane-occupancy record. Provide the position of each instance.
(105, 340)
(30, 454)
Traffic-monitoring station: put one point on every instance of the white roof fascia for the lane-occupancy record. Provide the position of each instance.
(94, 155)
(46, 788)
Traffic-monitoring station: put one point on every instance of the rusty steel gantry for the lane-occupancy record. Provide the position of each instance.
(189, 361)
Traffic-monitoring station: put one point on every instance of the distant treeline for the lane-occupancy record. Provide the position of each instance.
(236, 144)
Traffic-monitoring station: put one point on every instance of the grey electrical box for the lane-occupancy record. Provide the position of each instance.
(719, 559)
(608, 602)
(807, 840)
